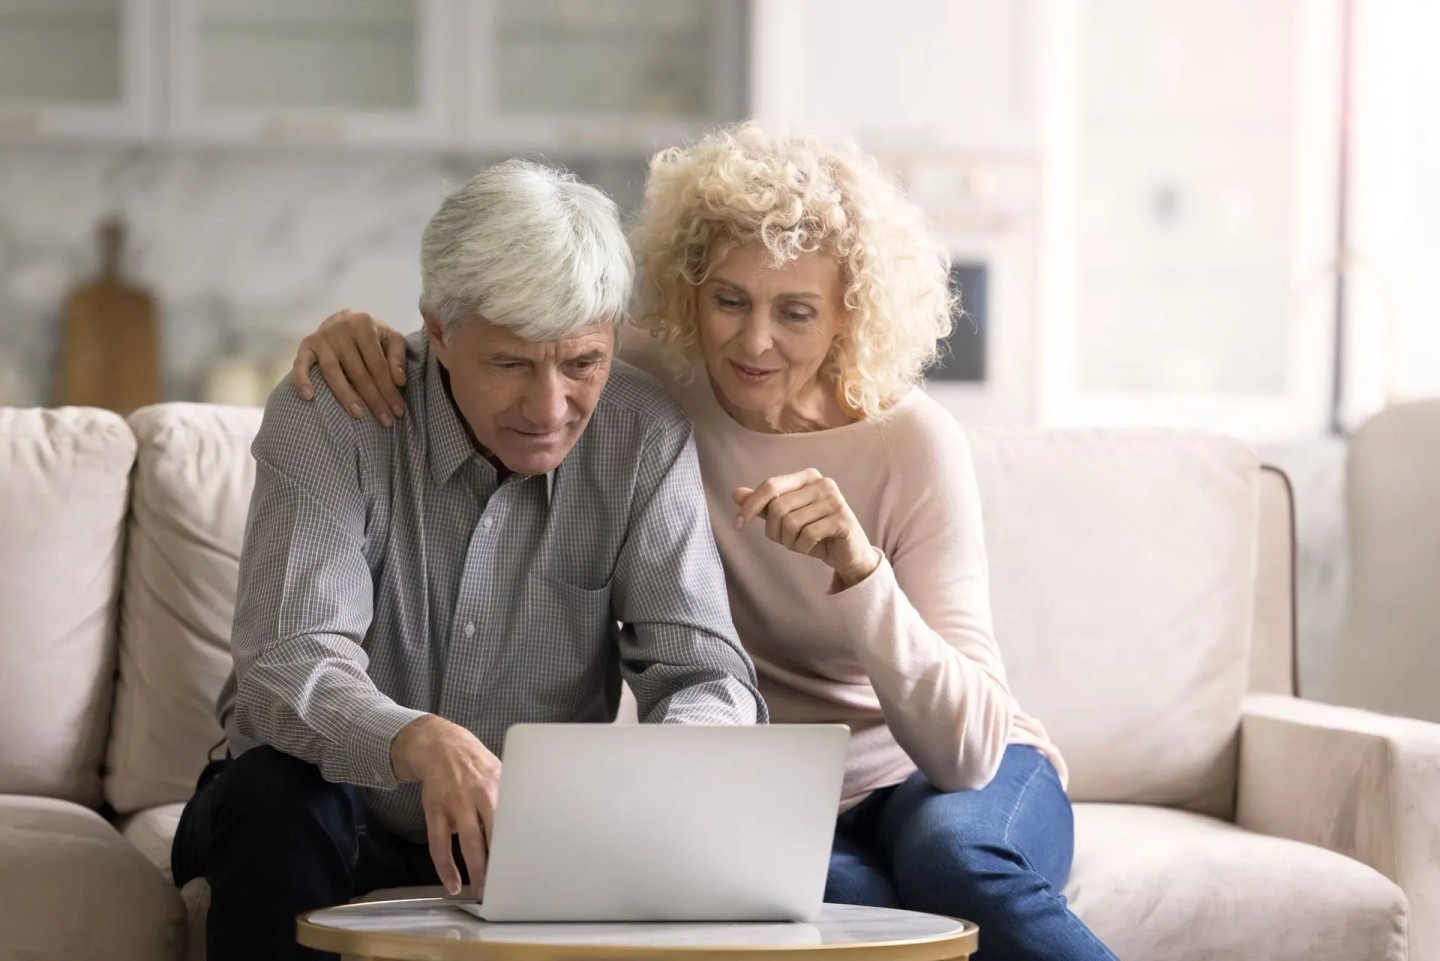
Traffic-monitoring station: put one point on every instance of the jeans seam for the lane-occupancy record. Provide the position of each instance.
(1020, 798)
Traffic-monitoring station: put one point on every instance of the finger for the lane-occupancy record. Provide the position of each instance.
(358, 379)
(473, 848)
(739, 494)
(437, 829)
(769, 490)
(395, 351)
(814, 534)
(801, 518)
(358, 373)
(339, 383)
(786, 504)
(377, 365)
(304, 359)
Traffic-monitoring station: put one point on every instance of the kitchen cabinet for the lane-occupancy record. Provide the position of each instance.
(309, 71)
(581, 76)
(77, 69)
(952, 75)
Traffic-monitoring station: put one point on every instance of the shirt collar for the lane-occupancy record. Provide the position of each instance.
(450, 444)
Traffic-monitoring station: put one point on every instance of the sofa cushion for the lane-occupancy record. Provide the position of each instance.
(192, 488)
(1156, 883)
(64, 480)
(1122, 572)
(152, 831)
(72, 888)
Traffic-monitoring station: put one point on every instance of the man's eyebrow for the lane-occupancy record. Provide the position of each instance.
(594, 353)
(501, 356)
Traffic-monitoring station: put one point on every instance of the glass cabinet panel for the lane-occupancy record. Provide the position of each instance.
(310, 54)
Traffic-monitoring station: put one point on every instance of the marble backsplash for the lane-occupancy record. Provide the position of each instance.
(242, 251)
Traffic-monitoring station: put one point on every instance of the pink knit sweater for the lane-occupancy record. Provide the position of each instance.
(907, 658)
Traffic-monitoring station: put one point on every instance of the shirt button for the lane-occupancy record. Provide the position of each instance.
(470, 629)
(485, 523)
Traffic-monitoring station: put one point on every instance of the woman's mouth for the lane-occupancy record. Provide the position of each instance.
(751, 375)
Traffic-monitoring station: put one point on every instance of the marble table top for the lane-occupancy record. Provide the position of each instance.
(434, 928)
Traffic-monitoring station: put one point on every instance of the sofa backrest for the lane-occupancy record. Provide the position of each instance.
(1122, 570)
(64, 478)
(1388, 658)
(193, 478)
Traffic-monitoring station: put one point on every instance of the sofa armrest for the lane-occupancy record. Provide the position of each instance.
(1361, 784)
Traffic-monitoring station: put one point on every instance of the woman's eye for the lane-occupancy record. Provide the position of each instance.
(797, 315)
(728, 303)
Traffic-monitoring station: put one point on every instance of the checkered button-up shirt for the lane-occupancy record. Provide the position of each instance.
(388, 573)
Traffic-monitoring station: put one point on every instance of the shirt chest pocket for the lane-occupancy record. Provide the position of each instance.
(574, 618)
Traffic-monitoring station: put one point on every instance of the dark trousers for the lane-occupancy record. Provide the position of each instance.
(274, 838)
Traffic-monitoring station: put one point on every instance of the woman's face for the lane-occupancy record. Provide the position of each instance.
(765, 331)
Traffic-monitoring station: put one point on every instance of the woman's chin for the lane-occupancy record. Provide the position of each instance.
(746, 398)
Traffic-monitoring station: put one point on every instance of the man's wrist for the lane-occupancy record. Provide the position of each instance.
(408, 744)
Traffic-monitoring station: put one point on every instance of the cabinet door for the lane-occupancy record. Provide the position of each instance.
(955, 75)
(310, 71)
(587, 75)
(76, 69)
(1193, 183)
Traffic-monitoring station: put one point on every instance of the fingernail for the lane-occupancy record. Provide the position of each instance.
(454, 889)
(307, 393)
(387, 420)
(356, 410)
(399, 410)
(739, 522)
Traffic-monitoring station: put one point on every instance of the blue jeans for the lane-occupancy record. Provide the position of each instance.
(998, 856)
(275, 838)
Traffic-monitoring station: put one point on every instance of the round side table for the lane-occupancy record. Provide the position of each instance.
(433, 929)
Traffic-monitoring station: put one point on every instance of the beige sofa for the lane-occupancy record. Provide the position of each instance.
(1392, 511)
(1142, 595)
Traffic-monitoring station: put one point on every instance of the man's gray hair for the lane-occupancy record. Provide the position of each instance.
(528, 248)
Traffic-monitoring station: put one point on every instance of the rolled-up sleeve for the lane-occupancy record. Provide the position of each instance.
(304, 602)
(679, 651)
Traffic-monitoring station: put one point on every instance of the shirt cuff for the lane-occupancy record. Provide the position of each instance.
(372, 733)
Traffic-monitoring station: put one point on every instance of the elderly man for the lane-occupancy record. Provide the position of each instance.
(407, 594)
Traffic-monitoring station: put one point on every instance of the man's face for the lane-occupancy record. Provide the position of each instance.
(526, 402)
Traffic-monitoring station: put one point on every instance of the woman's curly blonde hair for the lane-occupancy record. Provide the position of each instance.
(795, 193)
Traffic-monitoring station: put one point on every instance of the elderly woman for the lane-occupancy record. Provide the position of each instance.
(794, 298)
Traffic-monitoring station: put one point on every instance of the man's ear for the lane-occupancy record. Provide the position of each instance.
(435, 332)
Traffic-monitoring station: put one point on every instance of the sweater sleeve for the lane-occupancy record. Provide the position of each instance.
(922, 622)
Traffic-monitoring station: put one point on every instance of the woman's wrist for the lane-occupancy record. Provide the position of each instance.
(853, 574)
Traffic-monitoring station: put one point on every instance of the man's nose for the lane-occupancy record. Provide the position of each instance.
(546, 406)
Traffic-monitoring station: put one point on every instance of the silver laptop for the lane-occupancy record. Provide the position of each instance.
(651, 822)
